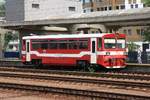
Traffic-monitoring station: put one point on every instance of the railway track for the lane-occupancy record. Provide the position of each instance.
(90, 93)
(94, 80)
(117, 75)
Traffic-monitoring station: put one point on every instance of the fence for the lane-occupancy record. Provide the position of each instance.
(132, 57)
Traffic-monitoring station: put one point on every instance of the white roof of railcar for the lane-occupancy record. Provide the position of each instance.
(64, 36)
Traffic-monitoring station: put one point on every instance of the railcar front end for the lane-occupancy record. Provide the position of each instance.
(112, 51)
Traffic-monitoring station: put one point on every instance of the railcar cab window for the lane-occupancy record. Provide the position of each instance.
(109, 43)
(121, 43)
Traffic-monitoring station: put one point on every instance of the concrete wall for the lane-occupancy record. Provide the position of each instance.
(14, 10)
(28, 10)
(136, 33)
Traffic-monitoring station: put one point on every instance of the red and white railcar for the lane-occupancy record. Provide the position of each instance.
(107, 50)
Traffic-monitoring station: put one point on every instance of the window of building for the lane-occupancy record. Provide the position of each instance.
(92, 10)
(72, 8)
(136, 6)
(35, 5)
(110, 7)
(132, 6)
(102, 8)
(125, 31)
(84, 11)
(105, 8)
(98, 0)
(93, 32)
(129, 32)
(130, 1)
(117, 7)
(134, 1)
(98, 9)
(87, 1)
(142, 31)
(122, 7)
(138, 31)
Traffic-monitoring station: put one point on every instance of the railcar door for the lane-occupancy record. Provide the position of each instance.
(28, 56)
(93, 51)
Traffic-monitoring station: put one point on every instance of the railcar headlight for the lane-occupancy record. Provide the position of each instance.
(107, 53)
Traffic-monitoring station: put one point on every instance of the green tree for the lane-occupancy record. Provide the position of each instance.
(147, 2)
(132, 47)
(146, 34)
(2, 9)
(10, 36)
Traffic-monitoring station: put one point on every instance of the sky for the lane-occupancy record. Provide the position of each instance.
(1, 0)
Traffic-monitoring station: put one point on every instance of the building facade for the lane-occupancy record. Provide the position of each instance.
(106, 5)
(134, 33)
(29, 10)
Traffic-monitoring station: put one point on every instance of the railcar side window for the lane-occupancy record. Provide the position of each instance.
(73, 44)
(44, 45)
(83, 44)
(53, 44)
(100, 43)
(36, 46)
(62, 44)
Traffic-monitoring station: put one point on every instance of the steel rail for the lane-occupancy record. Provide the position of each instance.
(133, 76)
(88, 93)
(81, 80)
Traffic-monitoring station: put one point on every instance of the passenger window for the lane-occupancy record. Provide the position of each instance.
(36, 46)
(44, 45)
(73, 44)
(62, 45)
(53, 44)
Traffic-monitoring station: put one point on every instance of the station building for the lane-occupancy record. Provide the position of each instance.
(107, 5)
(29, 10)
(134, 33)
